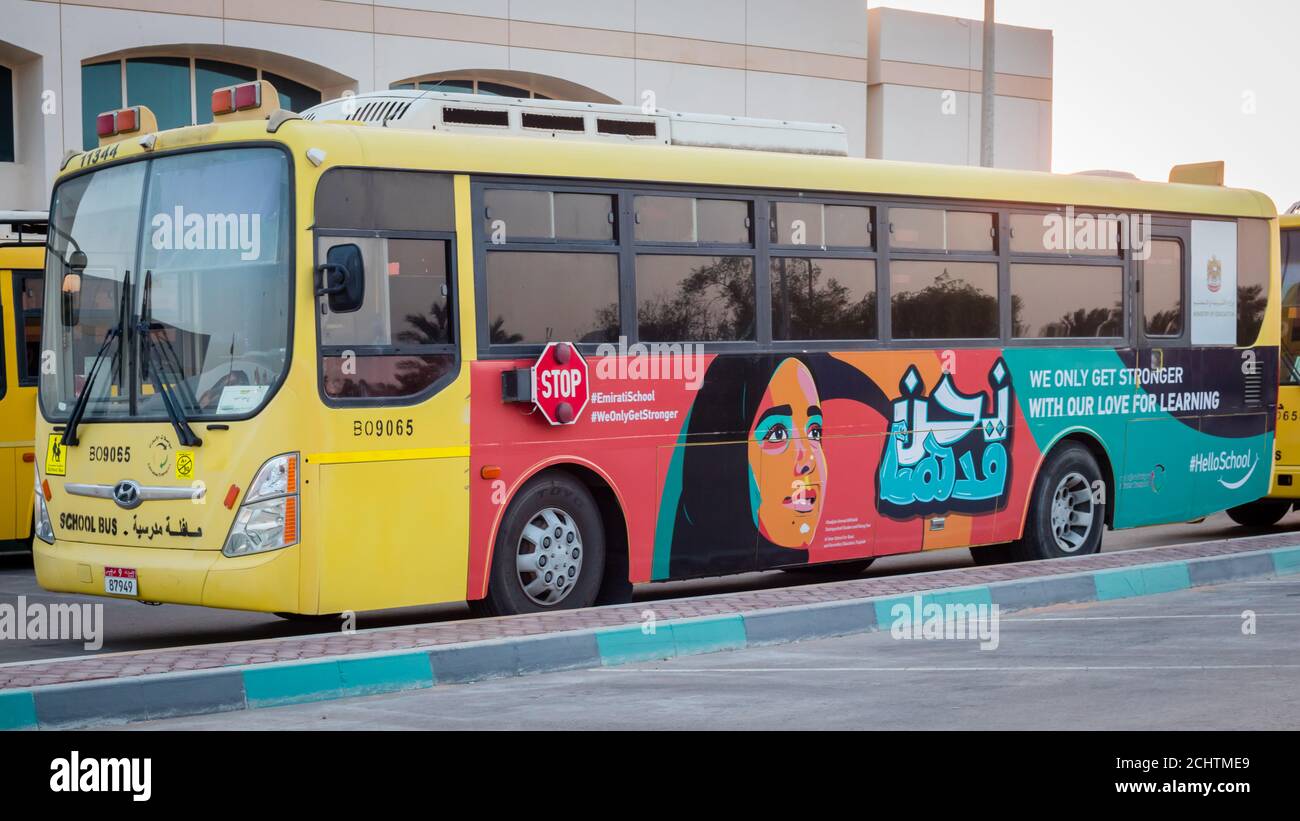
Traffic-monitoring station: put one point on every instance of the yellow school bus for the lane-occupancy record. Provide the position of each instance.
(1285, 487)
(412, 347)
(22, 271)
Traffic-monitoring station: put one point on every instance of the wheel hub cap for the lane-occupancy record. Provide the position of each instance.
(1073, 513)
(549, 557)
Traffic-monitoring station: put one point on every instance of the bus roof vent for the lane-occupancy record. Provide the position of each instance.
(560, 120)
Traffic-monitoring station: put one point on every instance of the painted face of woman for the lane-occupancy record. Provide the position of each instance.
(787, 468)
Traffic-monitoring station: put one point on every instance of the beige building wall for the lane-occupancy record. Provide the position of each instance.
(807, 60)
(924, 80)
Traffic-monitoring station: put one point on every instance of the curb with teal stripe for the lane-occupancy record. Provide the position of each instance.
(137, 698)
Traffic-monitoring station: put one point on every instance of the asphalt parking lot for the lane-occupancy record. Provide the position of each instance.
(1224, 657)
(130, 626)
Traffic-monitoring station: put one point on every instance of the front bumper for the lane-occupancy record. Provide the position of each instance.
(266, 582)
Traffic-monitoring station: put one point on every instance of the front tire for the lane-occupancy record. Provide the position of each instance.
(1260, 513)
(1066, 516)
(549, 552)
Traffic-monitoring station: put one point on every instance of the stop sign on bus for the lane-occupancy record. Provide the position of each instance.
(560, 383)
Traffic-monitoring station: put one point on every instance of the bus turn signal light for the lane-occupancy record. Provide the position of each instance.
(490, 472)
(232, 496)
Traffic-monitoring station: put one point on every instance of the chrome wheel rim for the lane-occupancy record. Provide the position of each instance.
(548, 559)
(1073, 513)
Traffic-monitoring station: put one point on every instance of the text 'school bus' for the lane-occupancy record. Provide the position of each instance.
(1285, 489)
(22, 270)
(375, 356)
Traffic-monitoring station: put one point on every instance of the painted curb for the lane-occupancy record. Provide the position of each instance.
(166, 695)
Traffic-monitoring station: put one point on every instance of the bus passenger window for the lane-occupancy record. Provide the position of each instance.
(1252, 278)
(944, 300)
(1162, 289)
(823, 298)
(32, 300)
(683, 298)
(540, 297)
(1066, 301)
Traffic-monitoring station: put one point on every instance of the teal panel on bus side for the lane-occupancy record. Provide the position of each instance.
(1155, 485)
(1166, 468)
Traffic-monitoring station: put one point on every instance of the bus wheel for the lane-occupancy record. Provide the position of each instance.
(1261, 513)
(550, 550)
(1065, 516)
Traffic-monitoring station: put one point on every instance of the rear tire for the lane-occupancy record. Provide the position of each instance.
(1260, 513)
(1066, 517)
(549, 552)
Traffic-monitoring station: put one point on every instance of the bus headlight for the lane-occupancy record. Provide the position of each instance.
(268, 518)
(42, 527)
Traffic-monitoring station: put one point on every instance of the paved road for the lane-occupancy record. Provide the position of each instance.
(1176, 661)
(132, 626)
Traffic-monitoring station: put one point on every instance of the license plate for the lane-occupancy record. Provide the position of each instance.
(121, 581)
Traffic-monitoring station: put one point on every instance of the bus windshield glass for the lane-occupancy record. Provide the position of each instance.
(201, 240)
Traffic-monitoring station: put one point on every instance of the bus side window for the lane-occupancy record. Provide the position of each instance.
(1162, 290)
(400, 341)
(31, 299)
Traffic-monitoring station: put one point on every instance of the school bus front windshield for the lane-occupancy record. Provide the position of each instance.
(204, 263)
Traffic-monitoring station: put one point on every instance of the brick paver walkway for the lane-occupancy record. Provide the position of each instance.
(145, 662)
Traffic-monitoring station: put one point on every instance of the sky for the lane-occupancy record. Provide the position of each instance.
(1143, 85)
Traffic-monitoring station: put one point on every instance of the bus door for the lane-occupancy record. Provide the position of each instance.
(20, 297)
(1156, 484)
(393, 511)
(1286, 448)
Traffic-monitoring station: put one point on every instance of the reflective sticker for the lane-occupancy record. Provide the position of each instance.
(184, 464)
(56, 456)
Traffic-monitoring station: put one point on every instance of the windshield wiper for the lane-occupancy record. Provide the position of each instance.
(114, 333)
(154, 356)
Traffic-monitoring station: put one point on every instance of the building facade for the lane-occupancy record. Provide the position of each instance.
(904, 86)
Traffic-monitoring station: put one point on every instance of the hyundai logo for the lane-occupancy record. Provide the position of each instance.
(127, 494)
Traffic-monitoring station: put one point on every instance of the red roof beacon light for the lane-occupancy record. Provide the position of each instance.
(246, 101)
(118, 125)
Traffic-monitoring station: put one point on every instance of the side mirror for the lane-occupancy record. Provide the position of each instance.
(70, 299)
(342, 277)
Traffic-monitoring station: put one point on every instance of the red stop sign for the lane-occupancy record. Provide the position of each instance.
(560, 383)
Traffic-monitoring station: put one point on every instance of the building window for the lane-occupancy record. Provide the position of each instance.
(6, 114)
(178, 90)
(458, 85)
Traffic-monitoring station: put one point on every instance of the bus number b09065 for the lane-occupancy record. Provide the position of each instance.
(383, 427)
